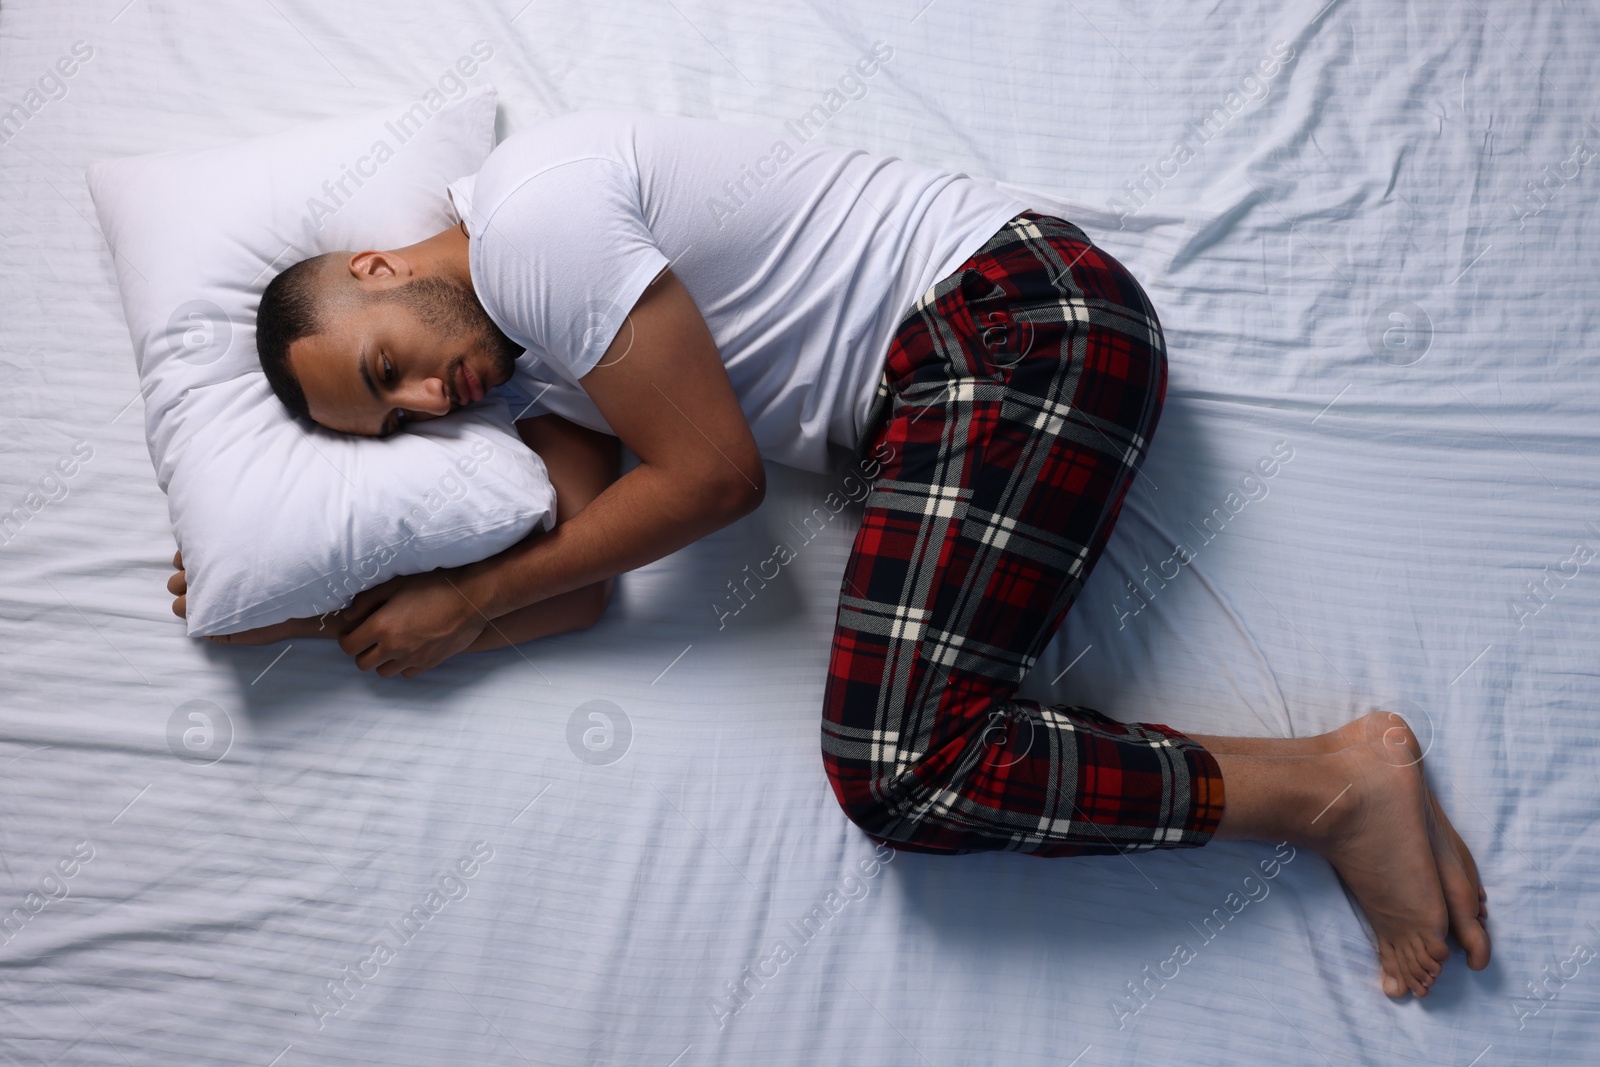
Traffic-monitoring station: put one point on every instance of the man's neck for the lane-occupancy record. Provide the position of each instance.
(445, 254)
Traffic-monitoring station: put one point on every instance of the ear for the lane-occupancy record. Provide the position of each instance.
(370, 266)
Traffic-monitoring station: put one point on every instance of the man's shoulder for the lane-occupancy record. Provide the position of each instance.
(554, 139)
(605, 132)
(546, 146)
(616, 133)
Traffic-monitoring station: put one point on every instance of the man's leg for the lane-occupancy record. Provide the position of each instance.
(1006, 460)
(1024, 390)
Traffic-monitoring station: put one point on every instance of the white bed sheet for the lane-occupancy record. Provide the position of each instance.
(1389, 161)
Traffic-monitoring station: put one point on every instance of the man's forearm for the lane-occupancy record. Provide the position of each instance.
(642, 516)
(563, 613)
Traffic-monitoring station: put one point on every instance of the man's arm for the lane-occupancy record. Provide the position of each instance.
(662, 386)
(581, 463)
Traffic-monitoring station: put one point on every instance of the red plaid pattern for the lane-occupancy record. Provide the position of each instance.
(1018, 399)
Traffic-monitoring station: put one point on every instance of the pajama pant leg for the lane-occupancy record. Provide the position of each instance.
(1018, 399)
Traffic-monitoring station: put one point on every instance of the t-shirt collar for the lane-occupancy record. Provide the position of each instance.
(460, 194)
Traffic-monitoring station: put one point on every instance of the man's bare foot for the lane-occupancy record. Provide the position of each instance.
(1464, 894)
(1375, 832)
(1382, 742)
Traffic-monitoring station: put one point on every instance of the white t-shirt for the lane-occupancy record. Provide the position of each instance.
(803, 257)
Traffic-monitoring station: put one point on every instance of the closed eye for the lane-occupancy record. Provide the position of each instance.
(398, 419)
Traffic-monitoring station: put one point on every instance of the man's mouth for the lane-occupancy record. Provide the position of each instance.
(466, 389)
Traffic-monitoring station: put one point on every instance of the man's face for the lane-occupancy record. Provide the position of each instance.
(406, 353)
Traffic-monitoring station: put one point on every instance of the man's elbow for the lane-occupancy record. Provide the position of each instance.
(598, 600)
(741, 490)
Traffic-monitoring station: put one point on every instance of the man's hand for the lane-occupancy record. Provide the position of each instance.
(411, 624)
(406, 625)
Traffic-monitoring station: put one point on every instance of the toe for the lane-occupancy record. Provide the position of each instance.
(1467, 919)
(1465, 897)
(1389, 965)
(1474, 937)
(1425, 963)
(1414, 985)
(1412, 971)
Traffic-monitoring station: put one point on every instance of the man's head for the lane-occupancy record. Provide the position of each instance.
(363, 342)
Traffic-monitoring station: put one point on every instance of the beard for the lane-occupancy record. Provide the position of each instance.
(452, 309)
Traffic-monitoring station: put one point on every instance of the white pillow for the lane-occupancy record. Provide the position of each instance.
(278, 518)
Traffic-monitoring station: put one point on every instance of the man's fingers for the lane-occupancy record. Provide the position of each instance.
(427, 663)
(366, 658)
(385, 666)
(368, 653)
(178, 586)
(377, 658)
(359, 639)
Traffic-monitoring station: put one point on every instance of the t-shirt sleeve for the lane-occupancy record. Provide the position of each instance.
(567, 254)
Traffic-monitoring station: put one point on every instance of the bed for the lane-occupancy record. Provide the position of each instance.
(1370, 231)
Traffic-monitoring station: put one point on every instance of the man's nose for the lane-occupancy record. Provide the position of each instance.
(428, 395)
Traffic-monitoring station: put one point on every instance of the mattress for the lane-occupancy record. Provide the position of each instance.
(1377, 263)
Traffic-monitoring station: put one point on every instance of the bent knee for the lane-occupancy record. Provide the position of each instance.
(860, 797)
(869, 800)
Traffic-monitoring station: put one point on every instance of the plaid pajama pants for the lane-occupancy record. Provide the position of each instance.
(1018, 399)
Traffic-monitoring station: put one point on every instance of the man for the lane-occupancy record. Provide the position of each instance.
(713, 297)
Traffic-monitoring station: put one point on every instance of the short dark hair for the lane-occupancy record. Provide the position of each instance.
(291, 308)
